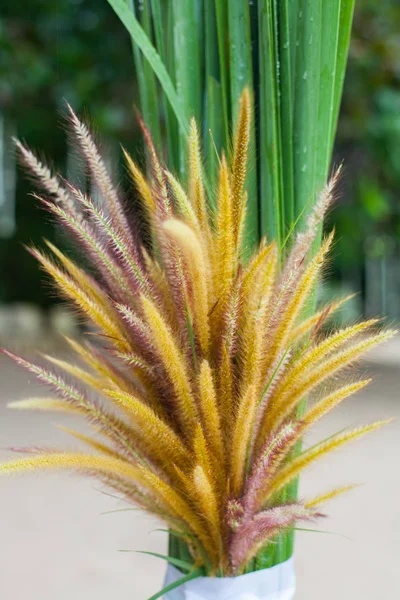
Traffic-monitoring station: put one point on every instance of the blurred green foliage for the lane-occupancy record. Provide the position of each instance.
(79, 51)
(368, 214)
(50, 52)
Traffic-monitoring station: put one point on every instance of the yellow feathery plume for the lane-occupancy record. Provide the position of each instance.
(254, 265)
(99, 314)
(116, 471)
(206, 500)
(318, 318)
(333, 342)
(240, 158)
(124, 249)
(201, 452)
(259, 273)
(87, 356)
(225, 387)
(298, 464)
(322, 407)
(105, 465)
(81, 278)
(182, 481)
(209, 409)
(285, 404)
(162, 290)
(252, 342)
(201, 355)
(197, 195)
(77, 372)
(256, 291)
(185, 208)
(95, 444)
(298, 299)
(241, 144)
(192, 252)
(251, 372)
(241, 226)
(196, 186)
(141, 184)
(225, 240)
(178, 285)
(267, 277)
(160, 437)
(178, 507)
(143, 381)
(109, 425)
(307, 281)
(329, 496)
(241, 439)
(318, 353)
(108, 262)
(43, 404)
(107, 375)
(174, 363)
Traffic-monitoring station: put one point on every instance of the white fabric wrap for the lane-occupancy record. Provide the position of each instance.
(276, 583)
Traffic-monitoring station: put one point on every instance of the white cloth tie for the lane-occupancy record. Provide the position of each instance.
(276, 583)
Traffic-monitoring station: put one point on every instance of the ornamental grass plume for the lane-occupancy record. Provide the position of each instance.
(200, 359)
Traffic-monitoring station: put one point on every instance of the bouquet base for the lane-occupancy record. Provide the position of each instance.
(276, 583)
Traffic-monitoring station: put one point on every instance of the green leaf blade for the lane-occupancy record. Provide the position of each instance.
(194, 575)
(141, 39)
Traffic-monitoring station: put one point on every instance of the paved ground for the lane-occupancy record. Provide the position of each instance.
(57, 544)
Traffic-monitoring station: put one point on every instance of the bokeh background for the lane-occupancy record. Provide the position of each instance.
(77, 50)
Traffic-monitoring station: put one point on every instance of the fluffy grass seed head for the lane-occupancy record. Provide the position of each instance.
(202, 357)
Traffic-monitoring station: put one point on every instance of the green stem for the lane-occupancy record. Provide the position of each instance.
(241, 75)
(188, 67)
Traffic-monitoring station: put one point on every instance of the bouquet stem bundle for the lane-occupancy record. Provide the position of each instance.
(193, 59)
(203, 354)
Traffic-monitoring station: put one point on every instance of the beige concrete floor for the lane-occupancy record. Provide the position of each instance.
(57, 544)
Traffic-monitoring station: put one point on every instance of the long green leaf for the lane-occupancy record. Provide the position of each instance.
(214, 103)
(221, 16)
(285, 83)
(170, 120)
(181, 564)
(215, 133)
(187, 67)
(138, 59)
(178, 583)
(241, 75)
(292, 17)
(241, 71)
(330, 31)
(150, 53)
(307, 92)
(147, 81)
(269, 133)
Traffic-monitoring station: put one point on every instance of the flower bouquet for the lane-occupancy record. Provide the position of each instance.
(200, 361)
